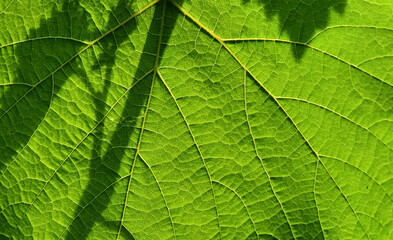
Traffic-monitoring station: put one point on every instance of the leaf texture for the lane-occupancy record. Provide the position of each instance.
(171, 119)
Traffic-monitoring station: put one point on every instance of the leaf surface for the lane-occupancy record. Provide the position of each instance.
(167, 119)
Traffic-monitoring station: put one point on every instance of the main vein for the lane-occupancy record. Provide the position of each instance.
(222, 42)
(259, 157)
(198, 149)
(143, 124)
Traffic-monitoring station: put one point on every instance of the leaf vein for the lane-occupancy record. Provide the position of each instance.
(35, 131)
(222, 42)
(144, 119)
(241, 199)
(311, 47)
(197, 147)
(338, 114)
(72, 151)
(162, 194)
(79, 53)
(260, 158)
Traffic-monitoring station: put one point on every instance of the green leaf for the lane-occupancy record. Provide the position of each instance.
(171, 119)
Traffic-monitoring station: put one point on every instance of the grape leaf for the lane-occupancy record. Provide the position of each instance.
(172, 119)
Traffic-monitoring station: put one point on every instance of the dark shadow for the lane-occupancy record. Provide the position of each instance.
(30, 56)
(3, 237)
(32, 62)
(301, 19)
(36, 60)
(104, 168)
(24, 107)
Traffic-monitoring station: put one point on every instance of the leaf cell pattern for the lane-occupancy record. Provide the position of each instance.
(171, 119)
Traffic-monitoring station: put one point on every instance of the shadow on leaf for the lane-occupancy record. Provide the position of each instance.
(301, 19)
(44, 84)
(104, 167)
(33, 64)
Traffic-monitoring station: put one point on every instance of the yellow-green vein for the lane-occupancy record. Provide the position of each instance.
(35, 131)
(241, 199)
(144, 119)
(346, 26)
(197, 147)
(221, 41)
(162, 194)
(136, 154)
(79, 143)
(79, 53)
(311, 47)
(43, 38)
(336, 113)
(15, 83)
(258, 156)
(87, 204)
(360, 170)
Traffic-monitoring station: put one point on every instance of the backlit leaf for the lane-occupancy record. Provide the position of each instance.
(187, 119)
